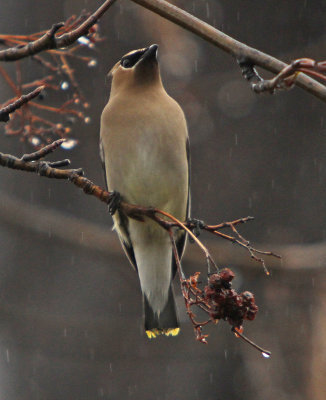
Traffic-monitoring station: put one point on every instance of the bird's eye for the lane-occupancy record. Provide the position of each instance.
(126, 63)
(131, 59)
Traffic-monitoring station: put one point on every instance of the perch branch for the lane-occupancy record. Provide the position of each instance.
(32, 163)
(25, 98)
(226, 43)
(217, 300)
(50, 41)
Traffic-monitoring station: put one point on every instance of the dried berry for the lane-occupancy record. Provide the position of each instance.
(227, 275)
(225, 303)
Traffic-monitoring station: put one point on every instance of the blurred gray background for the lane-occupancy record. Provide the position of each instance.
(70, 305)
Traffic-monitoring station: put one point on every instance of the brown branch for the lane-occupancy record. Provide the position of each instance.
(25, 122)
(297, 257)
(289, 74)
(226, 43)
(50, 41)
(25, 98)
(31, 163)
(264, 352)
(217, 300)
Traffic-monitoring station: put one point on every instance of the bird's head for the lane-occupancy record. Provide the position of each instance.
(138, 68)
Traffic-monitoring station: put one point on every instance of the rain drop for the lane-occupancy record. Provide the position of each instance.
(266, 355)
(84, 40)
(92, 63)
(87, 120)
(7, 355)
(35, 141)
(64, 85)
(69, 144)
(207, 10)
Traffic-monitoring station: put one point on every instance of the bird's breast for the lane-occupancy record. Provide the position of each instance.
(145, 156)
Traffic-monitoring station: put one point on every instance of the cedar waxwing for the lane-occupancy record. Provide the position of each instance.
(145, 150)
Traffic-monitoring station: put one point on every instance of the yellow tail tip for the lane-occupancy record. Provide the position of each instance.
(172, 332)
(153, 333)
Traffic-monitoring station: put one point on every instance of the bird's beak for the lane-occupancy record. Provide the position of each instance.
(150, 54)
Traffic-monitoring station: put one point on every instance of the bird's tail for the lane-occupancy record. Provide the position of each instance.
(166, 323)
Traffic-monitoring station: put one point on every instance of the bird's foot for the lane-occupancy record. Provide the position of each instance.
(195, 226)
(114, 202)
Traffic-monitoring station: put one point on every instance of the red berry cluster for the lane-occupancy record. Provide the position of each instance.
(225, 303)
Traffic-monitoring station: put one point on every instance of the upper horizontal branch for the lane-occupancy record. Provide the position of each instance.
(49, 39)
(226, 43)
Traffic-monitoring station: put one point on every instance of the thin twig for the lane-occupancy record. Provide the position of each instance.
(50, 41)
(289, 74)
(25, 98)
(264, 352)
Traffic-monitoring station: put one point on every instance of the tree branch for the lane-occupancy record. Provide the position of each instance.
(226, 43)
(49, 39)
(25, 98)
(231, 307)
(288, 75)
(33, 163)
(37, 219)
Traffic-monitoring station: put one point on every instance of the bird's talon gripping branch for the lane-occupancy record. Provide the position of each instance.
(248, 69)
(114, 202)
(195, 225)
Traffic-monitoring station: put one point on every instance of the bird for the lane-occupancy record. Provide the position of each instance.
(144, 147)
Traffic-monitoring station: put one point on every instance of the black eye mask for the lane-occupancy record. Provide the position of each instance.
(130, 60)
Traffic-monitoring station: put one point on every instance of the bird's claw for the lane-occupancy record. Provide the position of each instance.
(114, 202)
(196, 226)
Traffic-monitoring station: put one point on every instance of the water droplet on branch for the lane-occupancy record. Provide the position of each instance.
(69, 144)
(84, 41)
(92, 63)
(35, 141)
(64, 85)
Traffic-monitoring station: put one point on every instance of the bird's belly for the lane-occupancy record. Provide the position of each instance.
(151, 174)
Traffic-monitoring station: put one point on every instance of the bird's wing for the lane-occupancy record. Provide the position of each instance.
(122, 221)
(124, 237)
(103, 163)
(181, 241)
